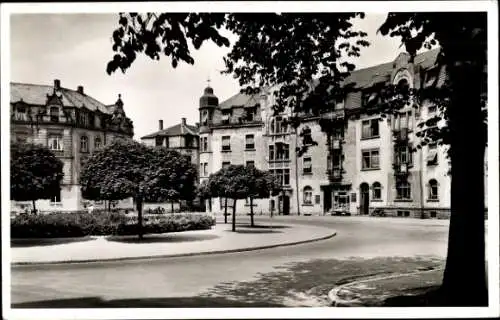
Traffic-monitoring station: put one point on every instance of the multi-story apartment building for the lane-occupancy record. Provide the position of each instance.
(70, 123)
(364, 163)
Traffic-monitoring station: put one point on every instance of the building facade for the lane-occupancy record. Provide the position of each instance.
(362, 166)
(71, 124)
(182, 138)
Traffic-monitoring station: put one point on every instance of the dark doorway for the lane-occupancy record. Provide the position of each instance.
(364, 198)
(285, 205)
(327, 199)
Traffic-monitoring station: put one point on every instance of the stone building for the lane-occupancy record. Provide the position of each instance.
(362, 164)
(70, 123)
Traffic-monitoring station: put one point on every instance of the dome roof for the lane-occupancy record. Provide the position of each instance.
(208, 99)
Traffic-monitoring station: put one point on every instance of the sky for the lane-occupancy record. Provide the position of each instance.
(75, 49)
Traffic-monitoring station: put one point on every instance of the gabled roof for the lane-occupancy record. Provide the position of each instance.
(176, 130)
(240, 100)
(37, 95)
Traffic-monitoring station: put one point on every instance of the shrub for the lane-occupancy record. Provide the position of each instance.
(81, 223)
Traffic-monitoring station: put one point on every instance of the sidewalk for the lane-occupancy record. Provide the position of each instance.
(375, 291)
(219, 239)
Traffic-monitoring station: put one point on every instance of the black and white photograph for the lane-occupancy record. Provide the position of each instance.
(265, 159)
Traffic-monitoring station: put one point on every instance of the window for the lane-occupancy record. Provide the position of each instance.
(403, 121)
(307, 195)
(204, 144)
(56, 199)
(433, 214)
(84, 144)
(271, 152)
(55, 142)
(159, 141)
(403, 190)
(54, 114)
(283, 176)
(205, 169)
(249, 142)
(431, 76)
(20, 114)
(97, 142)
(225, 164)
(432, 155)
(370, 129)
(318, 199)
(84, 118)
(377, 191)
(226, 143)
(369, 97)
(403, 155)
(370, 159)
(307, 136)
(251, 114)
(278, 125)
(201, 170)
(204, 117)
(226, 115)
(251, 163)
(307, 165)
(282, 151)
(433, 189)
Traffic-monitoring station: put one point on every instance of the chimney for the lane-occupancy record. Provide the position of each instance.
(80, 89)
(57, 84)
(183, 121)
(160, 124)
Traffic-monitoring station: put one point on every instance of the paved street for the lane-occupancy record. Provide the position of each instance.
(363, 238)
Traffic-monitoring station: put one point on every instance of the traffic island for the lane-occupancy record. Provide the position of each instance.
(217, 240)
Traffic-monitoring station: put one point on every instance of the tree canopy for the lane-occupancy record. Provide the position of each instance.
(126, 168)
(35, 173)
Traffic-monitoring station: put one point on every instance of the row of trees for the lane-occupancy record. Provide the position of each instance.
(239, 182)
(290, 50)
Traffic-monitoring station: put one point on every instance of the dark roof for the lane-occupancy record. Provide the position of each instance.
(240, 100)
(37, 95)
(177, 130)
(363, 78)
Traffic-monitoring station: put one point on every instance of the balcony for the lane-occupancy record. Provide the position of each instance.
(401, 135)
(335, 174)
(401, 169)
(336, 144)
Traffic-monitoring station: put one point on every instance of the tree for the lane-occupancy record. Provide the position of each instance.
(35, 173)
(462, 101)
(305, 56)
(261, 185)
(203, 193)
(126, 168)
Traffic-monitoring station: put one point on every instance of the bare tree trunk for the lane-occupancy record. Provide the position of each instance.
(139, 217)
(234, 215)
(465, 269)
(172, 206)
(225, 210)
(34, 206)
(252, 224)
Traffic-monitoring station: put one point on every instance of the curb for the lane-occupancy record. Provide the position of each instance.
(190, 254)
(333, 294)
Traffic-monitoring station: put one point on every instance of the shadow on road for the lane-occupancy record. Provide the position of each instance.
(251, 230)
(39, 242)
(177, 302)
(265, 226)
(174, 238)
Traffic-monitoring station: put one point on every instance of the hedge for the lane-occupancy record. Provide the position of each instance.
(82, 223)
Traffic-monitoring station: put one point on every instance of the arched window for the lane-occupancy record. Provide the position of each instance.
(377, 191)
(403, 190)
(84, 144)
(272, 126)
(307, 195)
(433, 189)
(97, 142)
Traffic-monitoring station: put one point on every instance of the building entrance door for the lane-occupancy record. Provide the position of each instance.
(285, 205)
(327, 199)
(364, 198)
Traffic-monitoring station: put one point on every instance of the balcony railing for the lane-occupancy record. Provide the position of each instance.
(401, 134)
